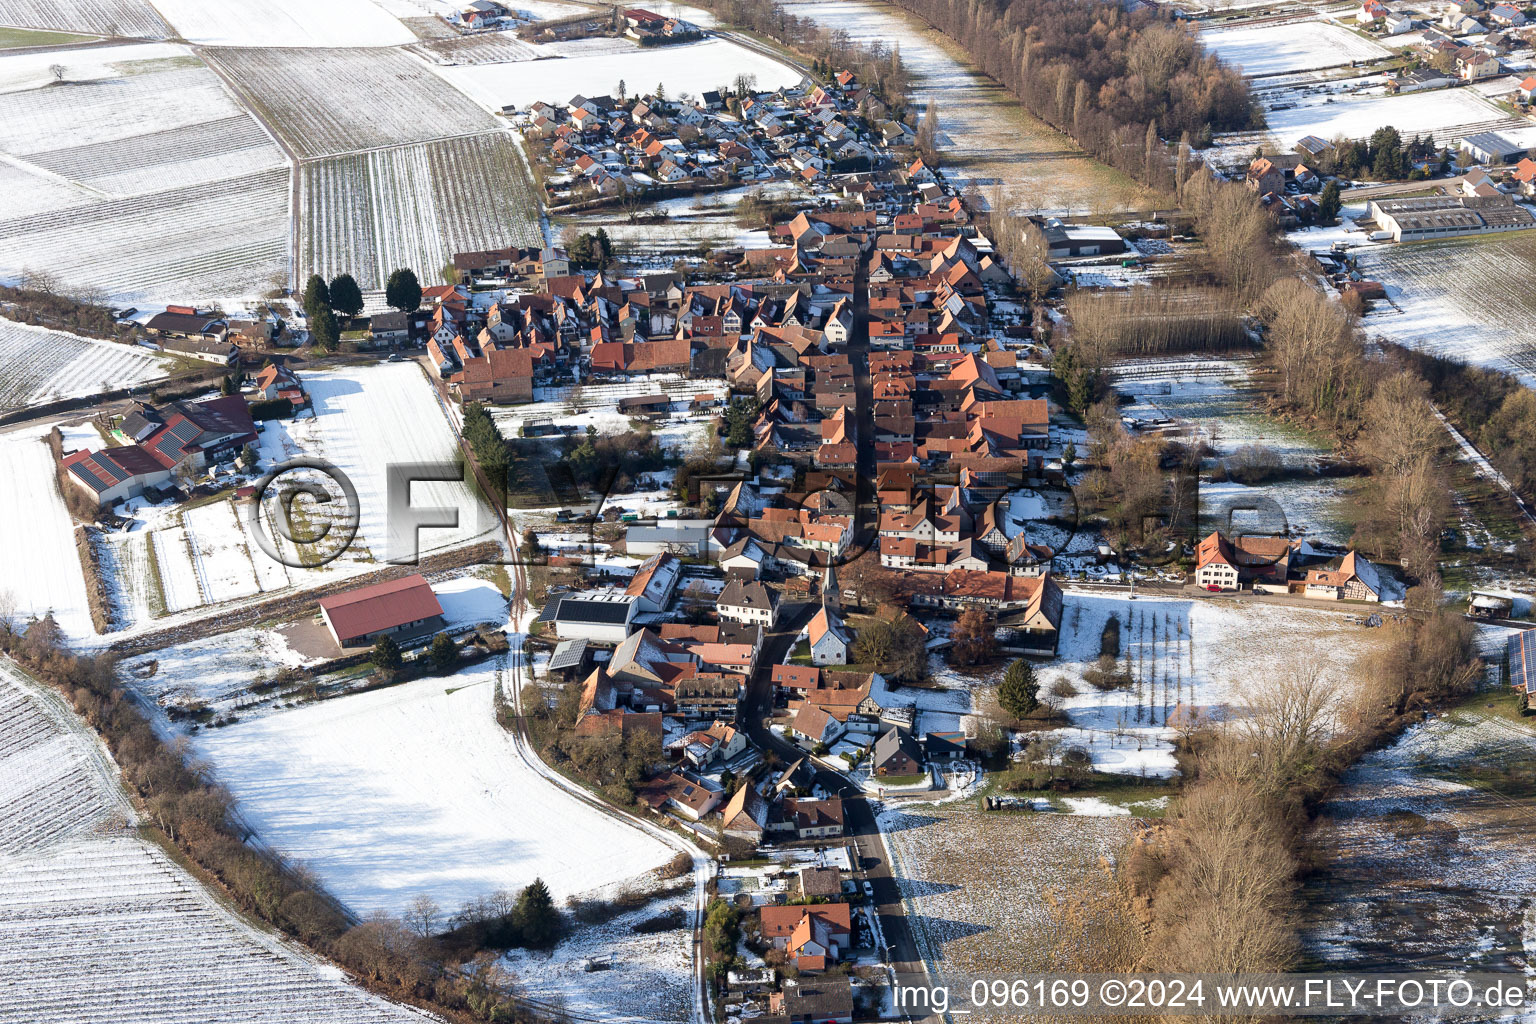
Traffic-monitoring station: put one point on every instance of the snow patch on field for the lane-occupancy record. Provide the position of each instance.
(97, 924)
(37, 540)
(284, 23)
(417, 789)
(1290, 46)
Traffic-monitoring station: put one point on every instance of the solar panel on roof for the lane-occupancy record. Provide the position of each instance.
(1522, 658)
(86, 471)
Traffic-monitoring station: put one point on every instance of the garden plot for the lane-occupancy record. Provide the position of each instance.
(42, 571)
(1194, 657)
(219, 551)
(1463, 298)
(414, 206)
(218, 671)
(370, 417)
(417, 789)
(1210, 398)
(97, 924)
(1290, 46)
(1444, 114)
(373, 97)
(987, 136)
(98, 17)
(284, 23)
(691, 68)
(1430, 850)
(596, 405)
(976, 886)
(38, 365)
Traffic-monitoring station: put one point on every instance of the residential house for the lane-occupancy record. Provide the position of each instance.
(749, 602)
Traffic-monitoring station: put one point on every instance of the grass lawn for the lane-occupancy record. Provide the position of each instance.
(1143, 798)
(17, 37)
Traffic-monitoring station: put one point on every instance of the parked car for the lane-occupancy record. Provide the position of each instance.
(1213, 588)
(869, 890)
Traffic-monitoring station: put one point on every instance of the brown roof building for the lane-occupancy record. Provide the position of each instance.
(397, 608)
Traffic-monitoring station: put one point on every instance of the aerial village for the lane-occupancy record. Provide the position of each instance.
(757, 566)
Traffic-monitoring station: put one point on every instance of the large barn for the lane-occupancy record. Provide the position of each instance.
(403, 609)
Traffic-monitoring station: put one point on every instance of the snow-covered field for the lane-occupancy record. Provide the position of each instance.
(37, 540)
(1290, 46)
(97, 924)
(414, 206)
(692, 68)
(1443, 113)
(648, 980)
(139, 174)
(1196, 655)
(373, 97)
(98, 17)
(976, 886)
(371, 417)
(283, 23)
(38, 365)
(417, 789)
(1464, 298)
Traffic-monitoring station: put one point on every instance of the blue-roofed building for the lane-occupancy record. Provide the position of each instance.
(1522, 665)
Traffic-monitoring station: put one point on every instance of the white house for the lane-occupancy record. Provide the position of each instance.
(830, 642)
(751, 603)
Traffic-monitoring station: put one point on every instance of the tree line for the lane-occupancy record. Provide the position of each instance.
(1118, 83)
(878, 67)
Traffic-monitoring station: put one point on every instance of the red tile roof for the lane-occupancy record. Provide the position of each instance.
(381, 606)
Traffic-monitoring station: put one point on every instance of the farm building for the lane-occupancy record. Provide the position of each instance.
(191, 434)
(1410, 220)
(601, 615)
(678, 537)
(404, 609)
(1081, 240)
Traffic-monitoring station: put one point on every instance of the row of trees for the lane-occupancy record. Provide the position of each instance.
(1218, 881)
(1117, 82)
(322, 302)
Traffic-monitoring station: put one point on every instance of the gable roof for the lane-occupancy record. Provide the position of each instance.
(381, 606)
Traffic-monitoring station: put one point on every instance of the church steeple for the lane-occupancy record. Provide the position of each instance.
(831, 594)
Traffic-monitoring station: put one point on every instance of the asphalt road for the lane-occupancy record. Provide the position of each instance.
(858, 817)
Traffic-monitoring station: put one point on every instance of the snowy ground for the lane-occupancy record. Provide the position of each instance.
(98, 924)
(692, 68)
(1356, 116)
(283, 23)
(1464, 298)
(1191, 654)
(1427, 868)
(1210, 399)
(416, 789)
(976, 886)
(596, 405)
(38, 365)
(369, 418)
(648, 977)
(1289, 46)
(139, 174)
(37, 540)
